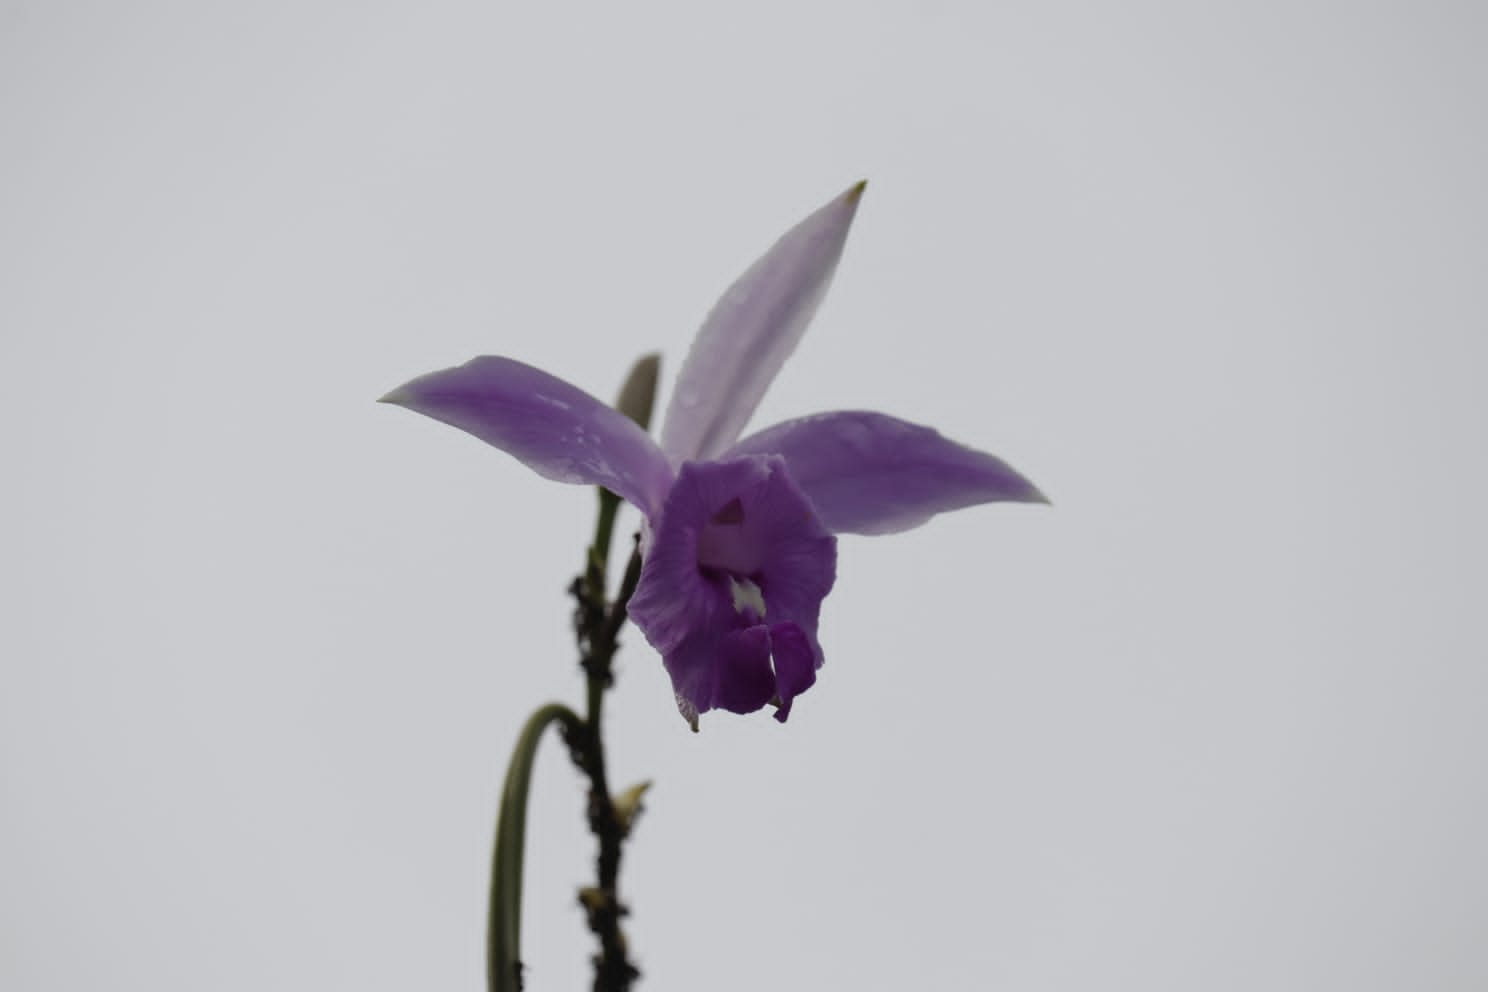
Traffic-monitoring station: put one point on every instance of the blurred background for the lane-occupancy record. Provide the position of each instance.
(1211, 275)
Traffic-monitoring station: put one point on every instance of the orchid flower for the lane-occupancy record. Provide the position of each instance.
(741, 545)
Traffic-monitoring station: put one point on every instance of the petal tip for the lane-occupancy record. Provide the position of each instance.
(398, 397)
(856, 193)
(689, 711)
(1019, 490)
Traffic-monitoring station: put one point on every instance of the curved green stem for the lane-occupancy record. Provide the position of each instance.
(504, 923)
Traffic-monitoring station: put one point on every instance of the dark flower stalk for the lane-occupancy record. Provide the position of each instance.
(597, 626)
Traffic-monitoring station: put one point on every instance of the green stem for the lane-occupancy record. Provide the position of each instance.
(504, 923)
(604, 529)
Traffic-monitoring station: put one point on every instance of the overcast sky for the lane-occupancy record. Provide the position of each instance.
(1213, 276)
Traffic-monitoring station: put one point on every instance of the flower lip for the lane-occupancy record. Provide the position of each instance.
(736, 573)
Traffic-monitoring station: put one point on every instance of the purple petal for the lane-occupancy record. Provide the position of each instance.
(557, 430)
(744, 679)
(867, 473)
(796, 662)
(751, 331)
(737, 570)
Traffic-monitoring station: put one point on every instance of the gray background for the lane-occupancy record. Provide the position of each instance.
(1212, 275)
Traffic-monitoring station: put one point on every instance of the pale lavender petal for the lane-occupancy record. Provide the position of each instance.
(557, 430)
(867, 473)
(751, 331)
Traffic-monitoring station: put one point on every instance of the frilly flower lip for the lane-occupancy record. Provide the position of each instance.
(734, 579)
(742, 551)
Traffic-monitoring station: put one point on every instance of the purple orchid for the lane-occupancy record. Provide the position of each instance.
(742, 547)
